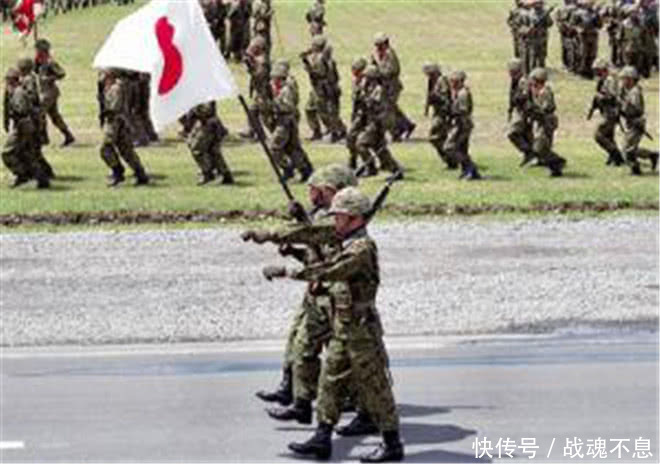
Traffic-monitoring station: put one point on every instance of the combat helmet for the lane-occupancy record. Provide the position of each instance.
(25, 65)
(601, 63)
(278, 72)
(336, 176)
(42, 45)
(319, 42)
(372, 72)
(350, 201)
(380, 38)
(359, 64)
(515, 64)
(429, 68)
(12, 74)
(457, 75)
(629, 71)
(539, 74)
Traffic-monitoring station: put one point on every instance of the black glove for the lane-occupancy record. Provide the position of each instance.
(297, 211)
(271, 272)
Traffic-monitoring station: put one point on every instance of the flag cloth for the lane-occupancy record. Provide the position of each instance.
(170, 40)
(24, 14)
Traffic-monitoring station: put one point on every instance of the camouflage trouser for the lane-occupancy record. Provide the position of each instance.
(50, 108)
(372, 139)
(117, 139)
(438, 136)
(17, 154)
(357, 126)
(357, 362)
(323, 110)
(457, 146)
(604, 135)
(542, 142)
(533, 53)
(286, 147)
(631, 54)
(204, 143)
(631, 140)
(520, 133)
(588, 52)
(311, 330)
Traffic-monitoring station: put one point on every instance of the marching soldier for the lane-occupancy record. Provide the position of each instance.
(285, 139)
(589, 25)
(262, 14)
(520, 126)
(373, 105)
(322, 102)
(18, 151)
(542, 113)
(386, 61)
(315, 17)
(258, 67)
(291, 82)
(204, 143)
(117, 140)
(49, 72)
(358, 118)
(438, 97)
(533, 25)
(631, 107)
(215, 12)
(512, 21)
(605, 102)
(311, 326)
(457, 146)
(239, 28)
(568, 34)
(356, 354)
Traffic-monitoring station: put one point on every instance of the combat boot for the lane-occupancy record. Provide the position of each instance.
(68, 139)
(556, 167)
(141, 177)
(391, 450)
(306, 173)
(316, 135)
(20, 180)
(116, 178)
(360, 425)
(227, 179)
(284, 392)
(616, 158)
(527, 158)
(654, 160)
(43, 183)
(205, 178)
(320, 445)
(300, 411)
(636, 170)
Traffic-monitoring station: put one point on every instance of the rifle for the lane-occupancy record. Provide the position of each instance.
(509, 111)
(429, 89)
(382, 195)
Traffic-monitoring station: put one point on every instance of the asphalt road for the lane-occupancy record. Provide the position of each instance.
(195, 402)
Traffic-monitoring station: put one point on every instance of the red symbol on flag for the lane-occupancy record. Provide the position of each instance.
(173, 67)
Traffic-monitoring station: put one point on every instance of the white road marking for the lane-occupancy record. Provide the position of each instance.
(8, 445)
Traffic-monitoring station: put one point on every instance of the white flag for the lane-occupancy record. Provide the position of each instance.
(170, 40)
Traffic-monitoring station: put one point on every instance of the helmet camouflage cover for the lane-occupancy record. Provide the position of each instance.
(350, 201)
(336, 176)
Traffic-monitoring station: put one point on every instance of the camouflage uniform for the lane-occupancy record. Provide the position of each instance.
(630, 38)
(358, 118)
(258, 67)
(283, 66)
(18, 151)
(605, 102)
(262, 14)
(49, 72)
(589, 25)
(373, 105)
(649, 23)
(117, 141)
(631, 102)
(315, 17)
(285, 140)
(139, 104)
(438, 97)
(457, 145)
(323, 98)
(542, 113)
(512, 21)
(28, 81)
(386, 61)
(520, 126)
(239, 27)
(356, 353)
(612, 16)
(533, 25)
(204, 143)
(215, 12)
(568, 34)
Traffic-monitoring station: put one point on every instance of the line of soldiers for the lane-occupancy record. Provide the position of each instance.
(632, 31)
(30, 99)
(58, 6)
(338, 314)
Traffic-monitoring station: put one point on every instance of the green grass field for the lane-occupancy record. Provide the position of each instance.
(468, 35)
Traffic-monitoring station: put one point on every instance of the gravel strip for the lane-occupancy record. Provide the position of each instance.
(438, 277)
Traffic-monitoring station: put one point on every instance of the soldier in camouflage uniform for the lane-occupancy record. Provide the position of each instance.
(457, 145)
(630, 38)
(568, 34)
(28, 81)
(512, 21)
(605, 102)
(438, 97)
(541, 111)
(204, 143)
(533, 25)
(315, 17)
(49, 72)
(285, 140)
(385, 59)
(358, 118)
(612, 16)
(649, 23)
(18, 151)
(631, 107)
(139, 104)
(262, 14)
(356, 353)
(373, 106)
(520, 126)
(589, 25)
(239, 27)
(311, 327)
(117, 140)
(322, 103)
(258, 67)
(215, 12)
(284, 67)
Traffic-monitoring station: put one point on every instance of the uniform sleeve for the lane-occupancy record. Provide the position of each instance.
(57, 70)
(340, 267)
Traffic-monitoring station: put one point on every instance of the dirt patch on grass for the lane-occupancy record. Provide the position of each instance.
(172, 217)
